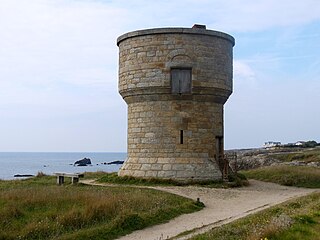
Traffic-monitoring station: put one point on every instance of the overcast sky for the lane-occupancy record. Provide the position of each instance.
(59, 62)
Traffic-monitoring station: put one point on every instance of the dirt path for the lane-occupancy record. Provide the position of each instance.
(222, 206)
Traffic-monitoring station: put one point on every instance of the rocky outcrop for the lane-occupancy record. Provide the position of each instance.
(116, 162)
(251, 158)
(255, 158)
(255, 161)
(23, 175)
(302, 163)
(83, 162)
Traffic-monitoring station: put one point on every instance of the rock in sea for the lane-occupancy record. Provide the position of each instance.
(83, 162)
(116, 162)
(23, 175)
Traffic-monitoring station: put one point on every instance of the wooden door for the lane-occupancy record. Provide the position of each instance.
(180, 81)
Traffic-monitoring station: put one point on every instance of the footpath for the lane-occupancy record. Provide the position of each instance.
(222, 206)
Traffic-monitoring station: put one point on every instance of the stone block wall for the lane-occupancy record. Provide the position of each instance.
(154, 139)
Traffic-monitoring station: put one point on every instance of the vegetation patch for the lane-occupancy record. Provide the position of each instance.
(298, 176)
(39, 209)
(129, 180)
(293, 220)
(305, 156)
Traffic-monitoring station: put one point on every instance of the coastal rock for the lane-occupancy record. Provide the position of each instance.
(250, 161)
(116, 162)
(259, 157)
(23, 175)
(83, 162)
(314, 164)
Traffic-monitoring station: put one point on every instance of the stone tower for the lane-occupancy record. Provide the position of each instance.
(175, 82)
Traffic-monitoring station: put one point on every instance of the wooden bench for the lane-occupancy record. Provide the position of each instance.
(74, 177)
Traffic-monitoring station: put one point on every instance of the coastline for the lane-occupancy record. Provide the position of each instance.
(30, 163)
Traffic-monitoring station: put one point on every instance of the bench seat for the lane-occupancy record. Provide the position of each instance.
(74, 177)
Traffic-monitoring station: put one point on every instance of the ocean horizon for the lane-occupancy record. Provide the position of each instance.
(12, 163)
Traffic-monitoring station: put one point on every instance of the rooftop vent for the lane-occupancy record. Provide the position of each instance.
(199, 26)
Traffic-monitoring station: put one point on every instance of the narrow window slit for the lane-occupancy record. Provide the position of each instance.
(181, 136)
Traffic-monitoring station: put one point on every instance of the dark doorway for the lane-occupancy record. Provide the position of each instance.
(219, 147)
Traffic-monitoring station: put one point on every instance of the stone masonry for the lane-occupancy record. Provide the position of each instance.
(175, 82)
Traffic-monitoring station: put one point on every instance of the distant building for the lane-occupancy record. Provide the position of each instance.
(271, 144)
(300, 143)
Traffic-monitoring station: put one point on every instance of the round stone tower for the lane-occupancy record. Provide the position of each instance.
(175, 82)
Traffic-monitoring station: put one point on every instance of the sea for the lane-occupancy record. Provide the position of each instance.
(13, 163)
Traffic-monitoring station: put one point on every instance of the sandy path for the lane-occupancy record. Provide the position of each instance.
(222, 206)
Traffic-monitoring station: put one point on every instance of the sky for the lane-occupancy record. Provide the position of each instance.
(59, 65)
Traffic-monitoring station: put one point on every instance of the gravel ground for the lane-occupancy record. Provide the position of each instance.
(222, 206)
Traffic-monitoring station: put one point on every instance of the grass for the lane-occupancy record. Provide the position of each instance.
(306, 156)
(293, 220)
(113, 178)
(298, 176)
(39, 209)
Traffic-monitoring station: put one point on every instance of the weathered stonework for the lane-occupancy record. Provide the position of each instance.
(171, 135)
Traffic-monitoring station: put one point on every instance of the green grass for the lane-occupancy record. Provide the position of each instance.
(305, 227)
(129, 180)
(299, 176)
(39, 209)
(294, 220)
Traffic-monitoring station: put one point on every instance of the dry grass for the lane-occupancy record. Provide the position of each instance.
(305, 156)
(294, 220)
(298, 176)
(38, 209)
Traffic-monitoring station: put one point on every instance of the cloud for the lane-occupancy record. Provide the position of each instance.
(242, 69)
(49, 42)
(243, 73)
(231, 15)
(259, 15)
(58, 57)
(45, 42)
(59, 60)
